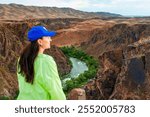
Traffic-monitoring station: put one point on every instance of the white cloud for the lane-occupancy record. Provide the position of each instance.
(125, 7)
(79, 4)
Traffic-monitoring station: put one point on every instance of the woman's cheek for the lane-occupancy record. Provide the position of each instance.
(48, 45)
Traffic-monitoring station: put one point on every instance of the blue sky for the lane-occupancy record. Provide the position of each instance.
(123, 7)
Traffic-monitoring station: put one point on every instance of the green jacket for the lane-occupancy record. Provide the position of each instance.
(46, 85)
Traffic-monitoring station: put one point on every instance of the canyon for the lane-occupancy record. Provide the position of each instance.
(120, 44)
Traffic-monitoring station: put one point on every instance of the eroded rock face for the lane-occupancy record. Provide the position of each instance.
(133, 80)
(103, 86)
(118, 36)
(8, 84)
(124, 75)
(10, 45)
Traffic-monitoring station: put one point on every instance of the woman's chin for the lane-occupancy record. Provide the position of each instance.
(48, 47)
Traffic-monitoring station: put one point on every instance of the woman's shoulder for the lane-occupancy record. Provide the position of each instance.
(44, 58)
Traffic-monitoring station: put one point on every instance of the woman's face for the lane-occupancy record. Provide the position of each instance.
(45, 42)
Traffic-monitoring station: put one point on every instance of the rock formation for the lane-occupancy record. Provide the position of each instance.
(124, 70)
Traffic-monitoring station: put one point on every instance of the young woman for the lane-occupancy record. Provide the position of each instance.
(37, 72)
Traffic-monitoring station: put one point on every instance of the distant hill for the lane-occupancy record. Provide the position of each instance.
(107, 14)
(17, 11)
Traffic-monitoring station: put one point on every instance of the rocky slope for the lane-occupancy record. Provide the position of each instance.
(118, 36)
(124, 74)
(123, 53)
(33, 12)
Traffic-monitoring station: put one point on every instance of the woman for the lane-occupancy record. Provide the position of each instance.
(37, 72)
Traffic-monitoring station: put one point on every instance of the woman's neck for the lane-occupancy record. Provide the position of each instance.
(41, 50)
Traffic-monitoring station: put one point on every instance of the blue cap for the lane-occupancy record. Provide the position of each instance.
(36, 32)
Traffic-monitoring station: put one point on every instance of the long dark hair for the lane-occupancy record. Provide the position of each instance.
(26, 62)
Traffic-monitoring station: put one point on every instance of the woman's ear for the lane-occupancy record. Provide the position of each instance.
(39, 42)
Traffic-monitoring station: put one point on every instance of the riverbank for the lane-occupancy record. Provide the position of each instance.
(83, 78)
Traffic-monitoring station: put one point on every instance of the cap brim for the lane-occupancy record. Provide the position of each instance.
(50, 33)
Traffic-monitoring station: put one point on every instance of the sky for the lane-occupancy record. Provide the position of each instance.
(123, 7)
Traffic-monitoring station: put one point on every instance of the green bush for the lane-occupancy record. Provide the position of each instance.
(4, 98)
(82, 78)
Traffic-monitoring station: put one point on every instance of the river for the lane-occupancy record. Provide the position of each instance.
(78, 67)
